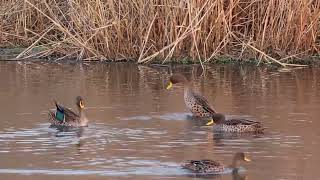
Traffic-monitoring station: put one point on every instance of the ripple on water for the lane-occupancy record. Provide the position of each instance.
(86, 149)
(42, 140)
(167, 116)
(259, 145)
(168, 169)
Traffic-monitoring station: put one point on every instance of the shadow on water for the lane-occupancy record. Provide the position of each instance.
(67, 131)
(234, 176)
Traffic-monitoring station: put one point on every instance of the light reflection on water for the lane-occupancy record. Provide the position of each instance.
(140, 130)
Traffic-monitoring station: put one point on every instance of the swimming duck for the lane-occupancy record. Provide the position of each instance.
(65, 117)
(214, 167)
(235, 125)
(195, 103)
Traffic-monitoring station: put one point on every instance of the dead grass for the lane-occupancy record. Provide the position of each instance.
(142, 30)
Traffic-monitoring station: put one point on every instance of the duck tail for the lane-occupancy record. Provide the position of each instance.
(59, 108)
(56, 103)
(188, 165)
(51, 116)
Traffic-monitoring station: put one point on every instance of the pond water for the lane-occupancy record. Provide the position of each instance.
(140, 130)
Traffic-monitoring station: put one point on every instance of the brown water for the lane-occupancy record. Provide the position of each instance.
(140, 130)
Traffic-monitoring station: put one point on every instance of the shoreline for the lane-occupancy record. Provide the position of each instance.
(10, 54)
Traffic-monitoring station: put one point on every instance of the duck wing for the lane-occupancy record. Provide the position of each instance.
(68, 114)
(71, 116)
(202, 101)
(202, 166)
(233, 122)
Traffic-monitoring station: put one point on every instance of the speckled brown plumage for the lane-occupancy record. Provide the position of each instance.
(211, 166)
(195, 103)
(236, 125)
(204, 166)
(71, 119)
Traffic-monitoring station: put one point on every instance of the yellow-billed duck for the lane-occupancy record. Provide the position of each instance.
(195, 103)
(214, 167)
(65, 117)
(234, 125)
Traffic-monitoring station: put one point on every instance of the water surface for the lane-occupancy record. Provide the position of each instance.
(140, 130)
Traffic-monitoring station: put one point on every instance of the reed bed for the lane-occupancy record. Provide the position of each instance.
(166, 30)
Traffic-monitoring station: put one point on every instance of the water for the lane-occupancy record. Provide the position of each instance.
(140, 130)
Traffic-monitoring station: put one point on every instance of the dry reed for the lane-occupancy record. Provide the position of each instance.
(144, 30)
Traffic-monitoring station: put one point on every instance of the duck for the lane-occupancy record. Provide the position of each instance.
(195, 102)
(214, 167)
(66, 117)
(235, 125)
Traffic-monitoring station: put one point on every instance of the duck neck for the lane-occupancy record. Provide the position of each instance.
(219, 118)
(187, 85)
(188, 89)
(83, 118)
(235, 163)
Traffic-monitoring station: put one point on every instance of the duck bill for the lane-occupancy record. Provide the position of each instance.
(169, 85)
(81, 105)
(210, 122)
(247, 159)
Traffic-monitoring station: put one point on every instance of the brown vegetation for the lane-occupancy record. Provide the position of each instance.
(142, 30)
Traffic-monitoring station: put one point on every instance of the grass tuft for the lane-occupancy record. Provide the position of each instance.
(276, 31)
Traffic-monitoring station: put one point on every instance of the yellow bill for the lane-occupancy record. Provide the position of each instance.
(210, 122)
(247, 159)
(81, 104)
(169, 85)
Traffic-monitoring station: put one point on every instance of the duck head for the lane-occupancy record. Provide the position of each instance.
(216, 118)
(175, 79)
